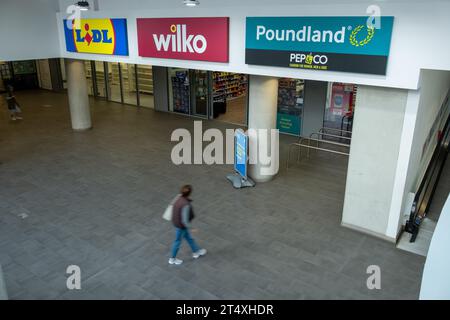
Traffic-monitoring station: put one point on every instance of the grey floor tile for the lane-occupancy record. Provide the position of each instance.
(95, 199)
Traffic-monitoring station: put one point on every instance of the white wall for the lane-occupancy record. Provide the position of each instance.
(28, 30)
(434, 86)
(436, 278)
(423, 109)
(417, 40)
(374, 152)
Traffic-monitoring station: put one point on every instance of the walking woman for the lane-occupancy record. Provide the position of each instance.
(181, 218)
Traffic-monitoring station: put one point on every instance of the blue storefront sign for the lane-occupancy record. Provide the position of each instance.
(346, 44)
(99, 36)
(240, 153)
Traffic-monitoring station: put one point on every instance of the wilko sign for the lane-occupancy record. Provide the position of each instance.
(176, 43)
(204, 39)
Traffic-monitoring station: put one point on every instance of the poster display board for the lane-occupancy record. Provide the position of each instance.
(290, 105)
(241, 153)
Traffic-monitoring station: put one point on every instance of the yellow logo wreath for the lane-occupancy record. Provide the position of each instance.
(366, 40)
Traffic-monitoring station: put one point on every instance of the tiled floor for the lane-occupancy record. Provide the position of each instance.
(95, 199)
(235, 111)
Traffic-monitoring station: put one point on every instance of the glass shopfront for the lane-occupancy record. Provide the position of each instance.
(128, 74)
(101, 77)
(145, 85)
(120, 82)
(115, 85)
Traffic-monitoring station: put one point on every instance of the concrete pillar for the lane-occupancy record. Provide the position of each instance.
(374, 156)
(3, 293)
(262, 114)
(78, 95)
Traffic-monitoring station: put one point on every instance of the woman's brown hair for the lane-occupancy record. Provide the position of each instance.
(186, 190)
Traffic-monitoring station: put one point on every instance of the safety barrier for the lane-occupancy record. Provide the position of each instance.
(306, 143)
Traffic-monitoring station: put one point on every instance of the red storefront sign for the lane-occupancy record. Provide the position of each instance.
(204, 39)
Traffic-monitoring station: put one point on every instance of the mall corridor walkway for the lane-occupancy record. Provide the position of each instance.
(95, 199)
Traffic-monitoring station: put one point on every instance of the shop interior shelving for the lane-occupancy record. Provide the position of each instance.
(145, 77)
(228, 85)
(99, 77)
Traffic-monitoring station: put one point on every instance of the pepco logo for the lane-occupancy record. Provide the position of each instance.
(180, 41)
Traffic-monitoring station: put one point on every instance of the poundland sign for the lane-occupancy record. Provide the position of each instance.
(345, 44)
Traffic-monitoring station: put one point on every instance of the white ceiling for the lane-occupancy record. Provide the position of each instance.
(165, 4)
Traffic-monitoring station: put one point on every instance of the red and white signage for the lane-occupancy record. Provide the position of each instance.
(204, 39)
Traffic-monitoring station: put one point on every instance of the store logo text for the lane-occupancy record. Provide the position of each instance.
(180, 41)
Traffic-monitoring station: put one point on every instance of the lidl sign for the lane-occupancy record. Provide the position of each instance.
(347, 44)
(101, 36)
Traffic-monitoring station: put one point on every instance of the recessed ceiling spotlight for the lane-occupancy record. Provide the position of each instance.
(191, 3)
(83, 5)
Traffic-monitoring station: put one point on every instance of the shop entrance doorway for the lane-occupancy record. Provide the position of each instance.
(210, 95)
(230, 97)
(339, 110)
(201, 93)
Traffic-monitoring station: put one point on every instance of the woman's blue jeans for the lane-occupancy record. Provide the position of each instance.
(180, 234)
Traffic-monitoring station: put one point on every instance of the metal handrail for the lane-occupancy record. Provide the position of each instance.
(329, 135)
(308, 146)
(334, 129)
(324, 141)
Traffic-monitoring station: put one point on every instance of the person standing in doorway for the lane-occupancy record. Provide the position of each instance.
(13, 107)
(181, 218)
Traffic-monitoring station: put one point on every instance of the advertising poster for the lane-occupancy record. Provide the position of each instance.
(180, 90)
(240, 153)
(290, 105)
(24, 67)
